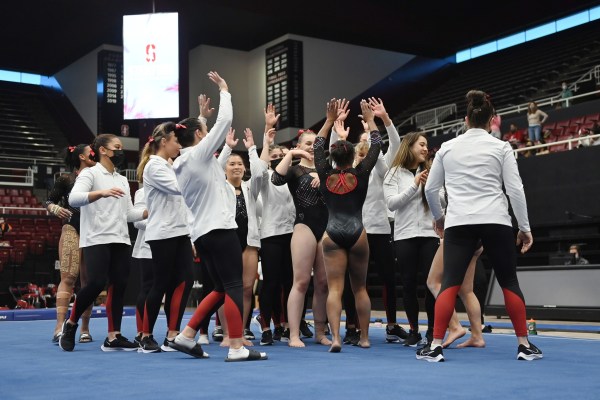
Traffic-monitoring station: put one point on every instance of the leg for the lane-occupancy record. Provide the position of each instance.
(427, 248)
(87, 314)
(358, 264)
(320, 293)
(303, 249)
(69, 255)
(382, 252)
(250, 263)
(181, 286)
(336, 260)
(147, 279)
(472, 306)
(407, 254)
(118, 275)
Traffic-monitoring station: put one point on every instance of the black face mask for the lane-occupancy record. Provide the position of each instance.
(117, 158)
(275, 163)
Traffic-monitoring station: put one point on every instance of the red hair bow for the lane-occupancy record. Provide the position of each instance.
(179, 126)
(92, 153)
(71, 149)
(301, 131)
(150, 139)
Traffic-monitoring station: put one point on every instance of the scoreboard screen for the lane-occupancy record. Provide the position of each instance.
(285, 82)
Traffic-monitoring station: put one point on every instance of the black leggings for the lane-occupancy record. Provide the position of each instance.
(207, 287)
(480, 287)
(172, 266)
(105, 263)
(276, 264)
(415, 255)
(499, 244)
(147, 279)
(382, 252)
(222, 253)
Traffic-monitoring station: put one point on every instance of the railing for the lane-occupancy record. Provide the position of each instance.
(22, 210)
(131, 174)
(434, 116)
(17, 180)
(569, 143)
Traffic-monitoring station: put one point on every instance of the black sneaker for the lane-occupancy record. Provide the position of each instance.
(119, 343)
(165, 346)
(413, 339)
(56, 338)
(285, 336)
(138, 340)
(217, 334)
(352, 336)
(188, 346)
(529, 353)
(487, 329)
(435, 355)
(277, 333)
(67, 336)
(428, 337)
(395, 334)
(305, 330)
(267, 338)
(149, 345)
(248, 335)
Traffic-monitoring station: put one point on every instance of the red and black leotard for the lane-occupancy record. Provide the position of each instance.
(344, 192)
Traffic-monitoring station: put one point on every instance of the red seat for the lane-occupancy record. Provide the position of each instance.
(558, 132)
(577, 121)
(21, 244)
(592, 117)
(5, 200)
(18, 200)
(2, 192)
(41, 221)
(550, 126)
(571, 130)
(32, 201)
(561, 146)
(26, 193)
(563, 124)
(13, 192)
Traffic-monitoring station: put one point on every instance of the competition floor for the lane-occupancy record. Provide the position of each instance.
(32, 368)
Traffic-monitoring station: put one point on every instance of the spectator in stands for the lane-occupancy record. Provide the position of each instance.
(495, 123)
(514, 136)
(576, 258)
(535, 119)
(585, 141)
(566, 93)
(529, 152)
(4, 227)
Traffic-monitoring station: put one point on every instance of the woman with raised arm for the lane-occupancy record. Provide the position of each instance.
(306, 247)
(207, 195)
(345, 245)
(69, 254)
(474, 167)
(246, 195)
(167, 233)
(102, 194)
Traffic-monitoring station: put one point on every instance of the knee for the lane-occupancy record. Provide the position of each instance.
(69, 281)
(433, 286)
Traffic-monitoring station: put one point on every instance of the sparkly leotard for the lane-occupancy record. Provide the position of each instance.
(344, 192)
(310, 208)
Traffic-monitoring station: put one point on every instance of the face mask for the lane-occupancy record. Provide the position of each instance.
(117, 158)
(275, 163)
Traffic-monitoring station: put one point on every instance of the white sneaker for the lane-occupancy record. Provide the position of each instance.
(203, 340)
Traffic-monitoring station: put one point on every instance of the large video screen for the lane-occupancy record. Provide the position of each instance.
(151, 66)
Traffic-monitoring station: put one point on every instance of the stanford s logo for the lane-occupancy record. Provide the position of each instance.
(150, 53)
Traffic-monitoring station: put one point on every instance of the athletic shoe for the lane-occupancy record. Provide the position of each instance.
(529, 353)
(285, 336)
(395, 334)
(67, 336)
(305, 330)
(248, 335)
(217, 334)
(149, 345)
(413, 339)
(428, 337)
(188, 346)
(253, 355)
(267, 338)
(120, 343)
(257, 320)
(352, 336)
(427, 354)
(278, 332)
(203, 339)
(138, 340)
(487, 329)
(165, 346)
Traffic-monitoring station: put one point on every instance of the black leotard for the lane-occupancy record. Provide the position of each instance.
(310, 208)
(344, 192)
(60, 195)
(241, 218)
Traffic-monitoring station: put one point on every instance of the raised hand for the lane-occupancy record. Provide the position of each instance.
(364, 125)
(271, 117)
(340, 130)
(421, 177)
(216, 78)
(204, 106)
(249, 138)
(269, 138)
(343, 110)
(367, 113)
(230, 139)
(377, 107)
(332, 110)
(297, 153)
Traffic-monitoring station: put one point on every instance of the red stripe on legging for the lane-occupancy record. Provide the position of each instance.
(109, 315)
(515, 306)
(444, 307)
(146, 322)
(72, 316)
(175, 306)
(139, 321)
(233, 315)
